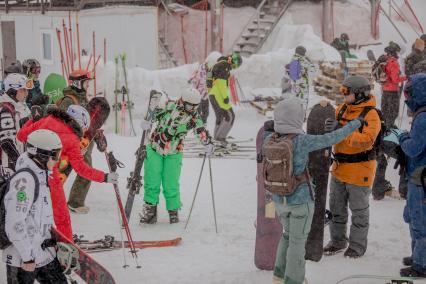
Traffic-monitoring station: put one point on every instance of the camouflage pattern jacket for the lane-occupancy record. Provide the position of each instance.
(171, 124)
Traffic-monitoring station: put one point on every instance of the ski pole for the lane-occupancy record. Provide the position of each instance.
(211, 186)
(123, 218)
(125, 265)
(196, 191)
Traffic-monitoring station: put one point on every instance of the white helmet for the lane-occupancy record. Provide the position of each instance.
(17, 81)
(192, 96)
(79, 114)
(44, 143)
(212, 58)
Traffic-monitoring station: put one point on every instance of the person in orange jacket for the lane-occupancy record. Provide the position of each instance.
(391, 97)
(353, 169)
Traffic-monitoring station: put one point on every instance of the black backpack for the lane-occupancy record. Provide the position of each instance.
(4, 188)
(378, 143)
(378, 70)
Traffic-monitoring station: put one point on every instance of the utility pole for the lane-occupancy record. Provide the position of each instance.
(327, 21)
(215, 24)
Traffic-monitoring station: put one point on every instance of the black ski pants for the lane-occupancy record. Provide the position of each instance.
(203, 109)
(51, 273)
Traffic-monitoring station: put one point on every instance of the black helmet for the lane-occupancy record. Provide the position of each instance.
(344, 36)
(29, 65)
(358, 85)
(393, 48)
(14, 67)
(300, 50)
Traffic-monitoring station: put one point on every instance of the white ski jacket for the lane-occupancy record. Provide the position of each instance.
(28, 224)
(10, 123)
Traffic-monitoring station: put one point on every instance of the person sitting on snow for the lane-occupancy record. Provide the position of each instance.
(164, 154)
(295, 210)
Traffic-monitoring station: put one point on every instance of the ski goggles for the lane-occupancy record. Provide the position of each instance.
(54, 154)
(345, 90)
(35, 70)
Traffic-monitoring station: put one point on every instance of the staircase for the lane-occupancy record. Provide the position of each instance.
(260, 26)
(165, 56)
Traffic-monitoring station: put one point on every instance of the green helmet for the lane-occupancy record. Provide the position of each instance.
(236, 60)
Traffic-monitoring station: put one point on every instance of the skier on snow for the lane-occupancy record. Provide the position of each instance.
(353, 169)
(164, 152)
(390, 109)
(219, 94)
(342, 45)
(296, 210)
(13, 114)
(76, 94)
(69, 126)
(28, 214)
(298, 71)
(413, 145)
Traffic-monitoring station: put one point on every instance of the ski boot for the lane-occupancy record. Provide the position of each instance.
(388, 188)
(79, 210)
(331, 249)
(352, 254)
(407, 261)
(173, 216)
(149, 214)
(411, 272)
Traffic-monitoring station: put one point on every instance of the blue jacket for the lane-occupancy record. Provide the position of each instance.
(303, 144)
(414, 143)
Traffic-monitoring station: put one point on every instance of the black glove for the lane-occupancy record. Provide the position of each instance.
(400, 161)
(100, 140)
(226, 101)
(36, 112)
(330, 124)
(226, 115)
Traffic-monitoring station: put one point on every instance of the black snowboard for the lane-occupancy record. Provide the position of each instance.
(319, 164)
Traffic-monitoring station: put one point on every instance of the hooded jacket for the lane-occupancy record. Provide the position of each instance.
(393, 71)
(28, 223)
(414, 143)
(362, 173)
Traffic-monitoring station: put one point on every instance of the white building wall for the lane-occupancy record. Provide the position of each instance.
(130, 29)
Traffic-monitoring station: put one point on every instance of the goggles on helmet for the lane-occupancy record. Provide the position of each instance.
(345, 90)
(189, 107)
(35, 70)
(54, 154)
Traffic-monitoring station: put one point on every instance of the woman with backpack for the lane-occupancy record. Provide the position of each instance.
(295, 208)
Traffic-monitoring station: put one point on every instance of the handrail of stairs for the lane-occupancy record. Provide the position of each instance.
(287, 5)
(250, 21)
(166, 52)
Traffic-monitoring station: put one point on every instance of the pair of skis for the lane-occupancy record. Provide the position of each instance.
(134, 182)
(125, 105)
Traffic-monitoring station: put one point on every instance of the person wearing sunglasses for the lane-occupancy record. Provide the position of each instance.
(31, 68)
(219, 95)
(13, 114)
(28, 214)
(353, 169)
(164, 152)
(413, 163)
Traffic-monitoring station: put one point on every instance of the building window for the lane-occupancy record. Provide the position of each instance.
(47, 46)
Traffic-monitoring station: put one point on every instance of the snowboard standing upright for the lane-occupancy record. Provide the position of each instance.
(89, 269)
(319, 164)
(268, 228)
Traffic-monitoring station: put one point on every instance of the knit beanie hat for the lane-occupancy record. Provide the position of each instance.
(419, 44)
(288, 116)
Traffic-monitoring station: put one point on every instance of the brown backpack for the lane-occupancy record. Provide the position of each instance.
(278, 166)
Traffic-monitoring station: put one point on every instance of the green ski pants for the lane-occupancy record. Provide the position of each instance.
(290, 259)
(162, 170)
(81, 186)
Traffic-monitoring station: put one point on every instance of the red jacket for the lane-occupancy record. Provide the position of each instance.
(392, 71)
(70, 143)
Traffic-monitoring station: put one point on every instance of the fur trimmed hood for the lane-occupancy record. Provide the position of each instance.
(66, 118)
